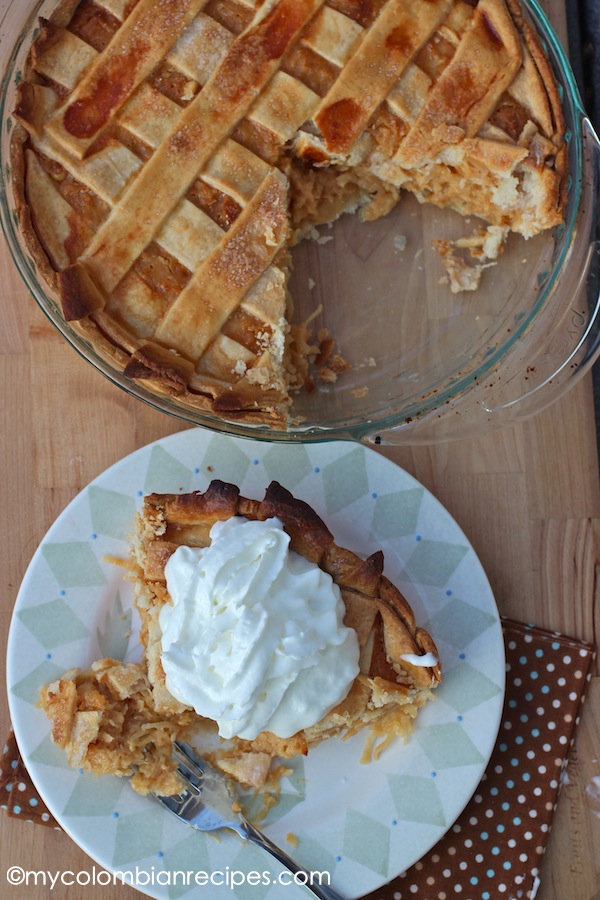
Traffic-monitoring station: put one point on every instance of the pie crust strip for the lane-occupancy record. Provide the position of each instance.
(228, 94)
(226, 275)
(145, 37)
(484, 65)
(386, 50)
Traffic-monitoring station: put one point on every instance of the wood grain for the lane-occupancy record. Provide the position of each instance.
(528, 498)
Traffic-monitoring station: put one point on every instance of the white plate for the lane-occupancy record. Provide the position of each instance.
(363, 824)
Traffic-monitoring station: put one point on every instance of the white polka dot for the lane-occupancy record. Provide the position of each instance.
(528, 835)
(541, 769)
(479, 858)
(537, 791)
(22, 785)
(578, 674)
(561, 682)
(447, 873)
(533, 813)
(567, 660)
(556, 704)
(463, 865)
(512, 843)
(547, 747)
(530, 754)
(551, 726)
(468, 842)
(523, 857)
(452, 851)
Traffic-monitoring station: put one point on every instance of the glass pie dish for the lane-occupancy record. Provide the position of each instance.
(425, 364)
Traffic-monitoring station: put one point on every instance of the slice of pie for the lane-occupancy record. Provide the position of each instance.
(96, 713)
(170, 152)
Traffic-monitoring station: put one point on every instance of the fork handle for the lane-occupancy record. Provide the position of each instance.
(247, 830)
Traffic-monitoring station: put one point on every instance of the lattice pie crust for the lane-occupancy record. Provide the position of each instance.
(117, 716)
(171, 151)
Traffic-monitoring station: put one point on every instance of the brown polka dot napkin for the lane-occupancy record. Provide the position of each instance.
(496, 846)
(19, 797)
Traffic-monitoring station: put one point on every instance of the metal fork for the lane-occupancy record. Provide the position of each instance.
(207, 804)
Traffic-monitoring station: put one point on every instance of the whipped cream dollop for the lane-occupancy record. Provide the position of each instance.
(254, 638)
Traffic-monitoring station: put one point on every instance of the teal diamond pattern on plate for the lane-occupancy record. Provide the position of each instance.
(53, 624)
(250, 859)
(465, 688)
(28, 688)
(112, 513)
(367, 841)
(345, 481)
(288, 468)
(49, 754)
(460, 623)
(396, 514)
(292, 793)
(138, 835)
(448, 746)
(73, 564)
(94, 795)
(224, 460)
(165, 473)
(314, 856)
(417, 799)
(113, 635)
(354, 834)
(433, 562)
(180, 857)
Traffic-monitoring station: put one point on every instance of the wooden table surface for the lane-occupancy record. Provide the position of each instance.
(528, 498)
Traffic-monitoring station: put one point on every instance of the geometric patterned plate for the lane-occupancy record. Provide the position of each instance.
(361, 823)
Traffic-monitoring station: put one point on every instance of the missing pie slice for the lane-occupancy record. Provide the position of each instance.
(170, 152)
(100, 717)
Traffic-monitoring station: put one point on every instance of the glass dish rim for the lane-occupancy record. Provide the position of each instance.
(456, 386)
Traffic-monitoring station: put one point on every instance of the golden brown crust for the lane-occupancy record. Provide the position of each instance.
(105, 721)
(170, 157)
(120, 718)
(375, 608)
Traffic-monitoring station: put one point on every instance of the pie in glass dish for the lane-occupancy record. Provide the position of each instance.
(171, 153)
(117, 718)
